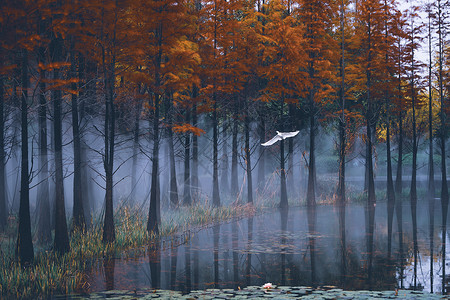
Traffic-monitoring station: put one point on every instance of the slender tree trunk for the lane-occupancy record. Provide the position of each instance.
(78, 211)
(342, 121)
(311, 192)
(152, 224)
(443, 131)
(194, 181)
(136, 132)
(290, 174)
(224, 161)
(61, 242)
(187, 158)
(24, 248)
(262, 157)
(248, 154)
(215, 193)
(173, 192)
(44, 227)
(431, 185)
(283, 190)
(390, 186)
(234, 153)
(3, 204)
(398, 179)
(109, 232)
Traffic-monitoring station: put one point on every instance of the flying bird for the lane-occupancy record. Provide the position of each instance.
(280, 136)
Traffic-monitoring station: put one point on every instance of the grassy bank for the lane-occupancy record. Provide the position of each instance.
(62, 274)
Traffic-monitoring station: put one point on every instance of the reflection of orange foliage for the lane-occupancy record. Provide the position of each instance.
(185, 128)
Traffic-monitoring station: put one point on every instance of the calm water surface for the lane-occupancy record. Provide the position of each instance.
(323, 246)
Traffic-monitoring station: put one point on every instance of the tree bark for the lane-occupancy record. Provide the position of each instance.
(283, 190)
(79, 221)
(187, 158)
(3, 204)
(44, 227)
(224, 160)
(248, 154)
(215, 192)
(173, 192)
(311, 192)
(61, 242)
(152, 224)
(194, 182)
(24, 247)
(234, 153)
(262, 157)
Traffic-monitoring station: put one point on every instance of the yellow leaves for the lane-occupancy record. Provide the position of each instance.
(188, 128)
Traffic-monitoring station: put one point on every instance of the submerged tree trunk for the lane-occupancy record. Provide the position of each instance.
(44, 233)
(24, 247)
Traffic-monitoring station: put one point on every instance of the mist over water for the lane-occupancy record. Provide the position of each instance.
(279, 247)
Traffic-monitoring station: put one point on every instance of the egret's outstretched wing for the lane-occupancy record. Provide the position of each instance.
(272, 141)
(286, 135)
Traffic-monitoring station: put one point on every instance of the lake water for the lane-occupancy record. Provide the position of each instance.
(301, 246)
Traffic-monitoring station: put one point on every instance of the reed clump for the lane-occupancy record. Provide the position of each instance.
(52, 273)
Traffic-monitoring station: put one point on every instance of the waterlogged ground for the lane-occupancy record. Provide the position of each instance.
(296, 248)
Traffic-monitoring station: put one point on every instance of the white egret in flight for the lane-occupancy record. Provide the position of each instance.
(280, 136)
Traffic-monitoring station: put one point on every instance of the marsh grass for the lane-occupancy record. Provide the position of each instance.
(52, 273)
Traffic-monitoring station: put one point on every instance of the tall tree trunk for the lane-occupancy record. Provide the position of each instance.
(173, 191)
(262, 156)
(109, 232)
(3, 204)
(224, 160)
(234, 152)
(390, 186)
(398, 178)
(187, 158)
(136, 132)
(215, 191)
(152, 224)
(86, 75)
(431, 185)
(194, 180)
(78, 211)
(24, 247)
(342, 121)
(443, 131)
(248, 154)
(44, 233)
(311, 192)
(290, 174)
(61, 242)
(283, 190)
